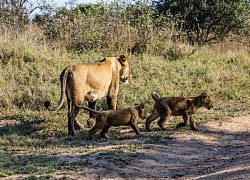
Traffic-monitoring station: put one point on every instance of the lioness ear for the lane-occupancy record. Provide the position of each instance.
(122, 58)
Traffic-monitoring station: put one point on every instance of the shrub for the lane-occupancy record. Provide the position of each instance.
(205, 21)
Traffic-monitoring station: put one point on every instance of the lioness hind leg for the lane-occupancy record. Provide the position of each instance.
(71, 118)
(104, 131)
(70, 124)
(149, 120)
(192, 124)
(77, 125)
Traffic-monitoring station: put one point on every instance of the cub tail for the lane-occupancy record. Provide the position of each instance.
(155, 96)
(88, 109)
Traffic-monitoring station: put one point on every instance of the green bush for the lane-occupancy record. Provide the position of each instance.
(205, 21)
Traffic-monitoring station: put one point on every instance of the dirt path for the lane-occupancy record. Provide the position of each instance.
(219, 150)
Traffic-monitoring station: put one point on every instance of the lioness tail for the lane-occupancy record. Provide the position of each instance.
(63, 79)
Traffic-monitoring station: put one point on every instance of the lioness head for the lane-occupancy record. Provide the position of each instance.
(125, 70)
(206, 101)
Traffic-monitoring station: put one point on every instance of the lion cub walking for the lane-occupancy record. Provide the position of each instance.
(122, 117)
(177, 106)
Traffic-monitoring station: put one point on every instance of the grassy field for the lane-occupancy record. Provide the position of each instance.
(29, 75)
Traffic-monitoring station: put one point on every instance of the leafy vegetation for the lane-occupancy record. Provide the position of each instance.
(205, 21)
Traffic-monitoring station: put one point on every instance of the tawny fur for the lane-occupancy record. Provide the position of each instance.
(91, 82)
(165, 107)
(122, 117)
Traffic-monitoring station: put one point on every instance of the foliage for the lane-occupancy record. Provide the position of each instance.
(116, 27)
(18, 12)
(204, 21)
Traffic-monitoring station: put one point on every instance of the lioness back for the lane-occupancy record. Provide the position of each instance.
(96, 77)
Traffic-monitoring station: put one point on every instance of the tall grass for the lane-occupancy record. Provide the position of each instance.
(30, 66)
(30, 71)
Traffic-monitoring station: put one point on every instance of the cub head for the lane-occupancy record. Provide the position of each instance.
(125, 70)
(206, 101)
(142, 110)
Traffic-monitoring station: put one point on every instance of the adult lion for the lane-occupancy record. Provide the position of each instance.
(91, 82)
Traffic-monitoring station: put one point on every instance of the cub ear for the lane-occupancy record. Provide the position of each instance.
(204, 95)
(122, 58)
(142, 106)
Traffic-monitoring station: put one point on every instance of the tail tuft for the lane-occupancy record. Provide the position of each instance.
(46, 104)
(155, 96)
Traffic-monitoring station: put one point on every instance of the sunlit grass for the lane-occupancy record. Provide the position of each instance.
(29, 75)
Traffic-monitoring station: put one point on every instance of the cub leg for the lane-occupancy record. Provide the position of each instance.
(162, 122)
(104, 131)
(98, 126)
(186, 121)
(192, 124)
(149, 120)
(134, 126)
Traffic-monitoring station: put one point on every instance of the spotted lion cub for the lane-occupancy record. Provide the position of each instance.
(165, 107)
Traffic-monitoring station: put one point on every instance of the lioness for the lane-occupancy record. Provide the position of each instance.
(177, 106)
(91, 82)
(122, 117)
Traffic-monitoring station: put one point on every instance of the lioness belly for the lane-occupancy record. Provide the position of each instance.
(92, 96)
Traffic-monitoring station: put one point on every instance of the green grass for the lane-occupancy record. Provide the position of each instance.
(29, 75)
(27, 164)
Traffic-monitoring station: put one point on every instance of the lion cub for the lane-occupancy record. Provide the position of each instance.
(122, 117)
(177, 106)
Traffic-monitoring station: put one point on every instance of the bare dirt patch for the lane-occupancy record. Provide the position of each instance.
(219, 150)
